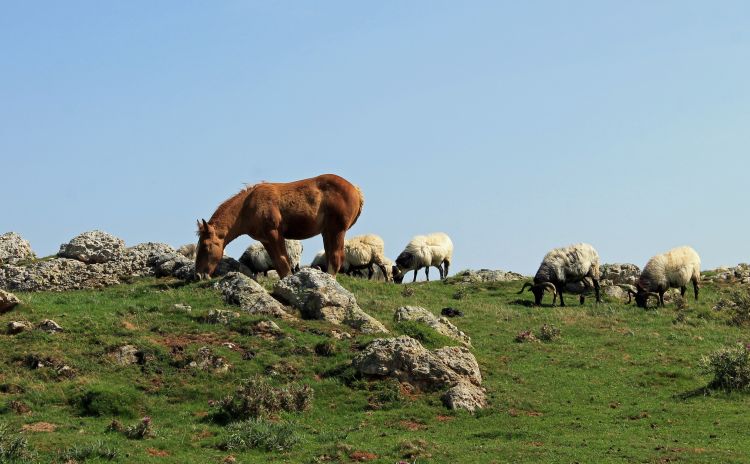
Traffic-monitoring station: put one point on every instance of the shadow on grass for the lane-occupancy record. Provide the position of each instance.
(702, 391)
(179, 284)
(530, 304)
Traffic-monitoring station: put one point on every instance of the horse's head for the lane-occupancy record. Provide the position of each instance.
(210, 250)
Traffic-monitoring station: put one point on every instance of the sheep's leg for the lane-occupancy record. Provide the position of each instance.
(446, 264)
(427, 272)
(683, 289)
(370, 271)
(382, 268)
(265, 273)
(440, 270)
(661, 299)
(582, 299)
(695, 288)
(559, 290)
(415, 275)
(596, 290)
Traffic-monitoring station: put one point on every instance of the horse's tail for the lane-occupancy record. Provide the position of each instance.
(361, 205)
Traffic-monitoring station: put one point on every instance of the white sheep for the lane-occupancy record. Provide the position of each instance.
(673, 269)
(365, 252)
(561, 266)
(360, 252)
(424, 251)
(188, 251)
(256, 257)
(388, 276)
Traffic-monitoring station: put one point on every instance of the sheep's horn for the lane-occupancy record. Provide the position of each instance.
(527, 284)
(549, 286)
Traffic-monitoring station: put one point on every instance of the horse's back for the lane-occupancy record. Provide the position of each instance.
(309, 206)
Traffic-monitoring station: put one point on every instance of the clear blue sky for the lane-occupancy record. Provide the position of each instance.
(515, 127)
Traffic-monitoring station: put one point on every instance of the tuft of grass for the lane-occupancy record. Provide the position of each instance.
(14, 447)
(414, 449)
(261, 433)
(94, 451)
(102, 399)
(737, 305)
(256, 397)
(548, 333)
(139, 431)
(385, 395)
(326, 348)
(426, 335)
(730, 367)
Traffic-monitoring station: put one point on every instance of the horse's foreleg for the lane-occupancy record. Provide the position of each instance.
(334, 247)
(277, 251)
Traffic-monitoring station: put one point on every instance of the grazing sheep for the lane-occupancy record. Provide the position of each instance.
(256, 257)
(673, 269)
(188, 251)
(360, 253)
(424, 251)
(562, 266)
(388, 276)
(365, 252)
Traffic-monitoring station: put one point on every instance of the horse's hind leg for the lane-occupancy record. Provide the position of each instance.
(277, 251)
(333, 243)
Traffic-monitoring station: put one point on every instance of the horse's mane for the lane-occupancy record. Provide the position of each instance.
(229, 202)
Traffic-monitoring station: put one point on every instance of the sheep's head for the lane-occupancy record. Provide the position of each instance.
(538, 290)
(405, 261)
(210, 250)
(397, 275)
(641, 297)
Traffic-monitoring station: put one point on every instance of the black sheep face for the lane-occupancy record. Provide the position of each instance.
(398, 276)
(538, 294)
(405, 260)
(640, 298)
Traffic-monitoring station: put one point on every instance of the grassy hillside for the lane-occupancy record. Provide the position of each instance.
(621, 384)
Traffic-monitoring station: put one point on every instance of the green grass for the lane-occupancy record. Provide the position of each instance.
(621, 384)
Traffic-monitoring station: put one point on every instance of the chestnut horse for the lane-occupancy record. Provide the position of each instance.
(270, 212)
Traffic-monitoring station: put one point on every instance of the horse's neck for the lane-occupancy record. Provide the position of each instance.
(228, 218)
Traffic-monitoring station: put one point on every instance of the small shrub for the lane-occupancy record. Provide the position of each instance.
(13, 446)
(407, 291)
(730, 367)
(680, 302)
(549, 333)
(106, 400)
(139, 431)
(257, 398)
(737, 305)
(96, 451)
(460, 294)
(261, 433)
(385, 395)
